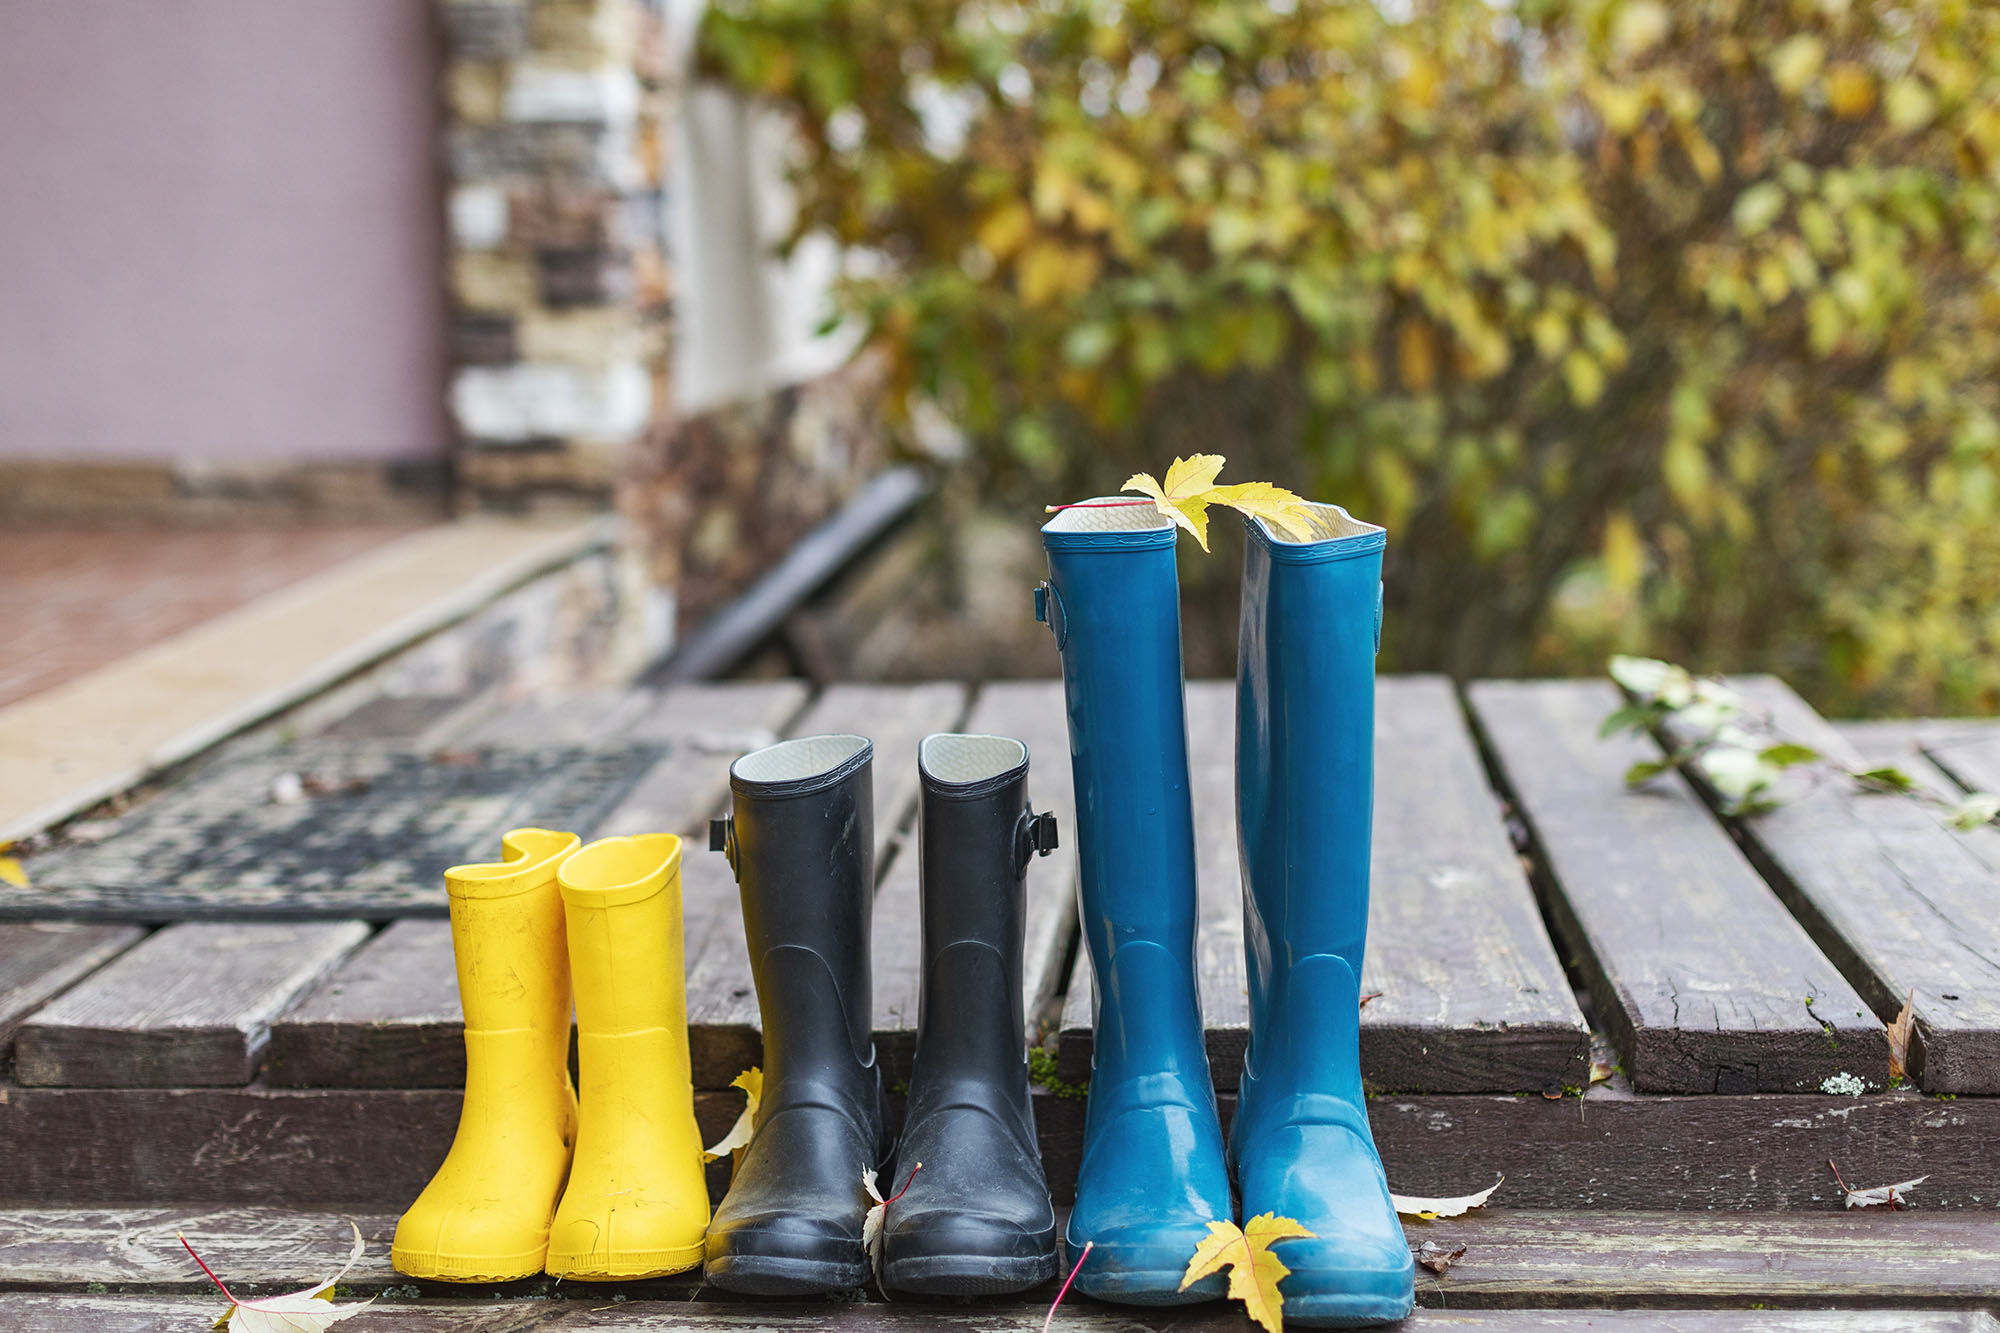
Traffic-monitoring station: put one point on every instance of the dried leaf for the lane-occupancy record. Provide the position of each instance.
(10, 868)
(309, 1310)
(1254, 1272)
(1600, 1072)
(751, 1081)
(1896, 1196)
(1190, 489)
(1439, 1258)
(1432, 1209)
(1899, 1037)
(871, 1225)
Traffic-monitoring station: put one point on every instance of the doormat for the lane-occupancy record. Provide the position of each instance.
(320, 829)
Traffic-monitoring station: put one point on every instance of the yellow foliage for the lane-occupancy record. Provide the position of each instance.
(1254, 1271)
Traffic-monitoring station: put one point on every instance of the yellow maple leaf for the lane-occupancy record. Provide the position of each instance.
(751, 1081)
(1190, 489)
(1254, 1272)
(10, 868)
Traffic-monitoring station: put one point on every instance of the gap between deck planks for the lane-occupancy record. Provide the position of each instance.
(1702, 979)
(1532, 1259)
(1901, 904)
(1470, 996)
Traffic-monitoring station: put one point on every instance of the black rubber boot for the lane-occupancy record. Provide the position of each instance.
(802, 842)
(976, 1220)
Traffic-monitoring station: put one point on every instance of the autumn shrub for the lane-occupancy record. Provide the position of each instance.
(1650, 327)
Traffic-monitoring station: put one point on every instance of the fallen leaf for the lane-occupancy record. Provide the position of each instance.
(751, 1081)
(1432, 1209)
(309, 1310)
(1190, 489)
(1899, 1037)
(1895, 1196)
(10, 867)
(1600, 1072)
(871, 1225)
(1371, 995)
(1254, 1272)
(1437, 1257)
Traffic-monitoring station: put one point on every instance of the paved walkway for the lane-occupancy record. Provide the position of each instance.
(75, 599)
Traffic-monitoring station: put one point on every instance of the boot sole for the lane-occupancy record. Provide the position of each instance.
(967, 1274)
(1345, 1311)
(1151, 1287)
(764, 1275)
(468, 1268)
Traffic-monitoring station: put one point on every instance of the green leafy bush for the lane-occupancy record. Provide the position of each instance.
(1643, 326)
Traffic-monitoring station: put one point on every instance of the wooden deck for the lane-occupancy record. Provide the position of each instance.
(253, 1078)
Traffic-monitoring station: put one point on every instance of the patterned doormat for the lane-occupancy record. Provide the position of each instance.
(321, 828)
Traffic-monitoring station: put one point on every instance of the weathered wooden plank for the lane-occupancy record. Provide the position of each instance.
(1966, 748)
(724, 1036)
(388, 1017)
(1469, 994)
(714, 723)
(1032, 713)
(1611, 1149)
(39, 959)
(602, 1310)
(1699, 975)
(1542, 1259)
(1900, 903)
(190, 1006)
(1514, 1258)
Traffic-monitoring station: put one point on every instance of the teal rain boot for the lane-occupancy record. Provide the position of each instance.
(1305, 725)
(1153, 1173)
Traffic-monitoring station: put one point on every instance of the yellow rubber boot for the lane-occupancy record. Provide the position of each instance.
(637, 1204)
(485, 1215)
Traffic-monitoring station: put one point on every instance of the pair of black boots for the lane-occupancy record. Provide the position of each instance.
(976, 1220)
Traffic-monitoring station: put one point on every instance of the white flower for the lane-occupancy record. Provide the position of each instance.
(1843, 1084)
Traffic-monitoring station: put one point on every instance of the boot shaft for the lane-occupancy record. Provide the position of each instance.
(507, 939)
(622, 902)
(1113, 603)
(976, 834)
(801, 841)
(1305, 787)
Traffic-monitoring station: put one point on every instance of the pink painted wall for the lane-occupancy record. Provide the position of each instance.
(219, 230)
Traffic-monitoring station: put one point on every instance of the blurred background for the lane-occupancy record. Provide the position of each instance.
(1643, 327)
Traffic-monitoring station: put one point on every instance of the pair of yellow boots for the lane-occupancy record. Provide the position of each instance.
(608, 1185)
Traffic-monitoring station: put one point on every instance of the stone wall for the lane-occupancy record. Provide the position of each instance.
(559, 289)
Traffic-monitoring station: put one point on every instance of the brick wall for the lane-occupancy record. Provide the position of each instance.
(559, 290)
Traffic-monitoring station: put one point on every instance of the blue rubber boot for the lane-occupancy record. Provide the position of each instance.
(1153, 1172)
(1305, 727)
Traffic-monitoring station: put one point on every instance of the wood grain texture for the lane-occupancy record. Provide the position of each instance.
(39, 959)
(1470, 996)
(1538, 1259)
(1031, 712)
(374, 1148)
(708, 726)
(1522, 1259)
(1702, 979)
(724, 1033)
(601, 1309)
(1514, 1258)
(189, 1006)
(388, 1017)
(1903, 905)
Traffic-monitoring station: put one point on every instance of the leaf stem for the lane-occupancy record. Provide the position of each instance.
(1049, 1322)
(907, 1182)
(206, 1269)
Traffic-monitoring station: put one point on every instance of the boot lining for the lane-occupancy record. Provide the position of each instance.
(1336, 525)
(1120, 514)
(959, 759)
(806, 757)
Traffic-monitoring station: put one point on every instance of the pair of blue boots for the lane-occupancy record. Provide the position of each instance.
(1155, 1171)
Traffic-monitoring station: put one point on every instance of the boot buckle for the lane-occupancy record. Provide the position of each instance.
(1049, 610)
(1042, 834)
(722, 838)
